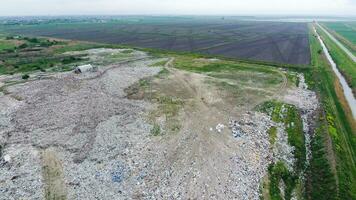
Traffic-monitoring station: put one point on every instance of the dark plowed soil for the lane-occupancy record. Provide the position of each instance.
(265, 41)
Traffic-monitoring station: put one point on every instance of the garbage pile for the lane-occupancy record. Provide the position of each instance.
(235, 128)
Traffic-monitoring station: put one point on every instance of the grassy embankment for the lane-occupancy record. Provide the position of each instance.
(346, 66)
(332, 171)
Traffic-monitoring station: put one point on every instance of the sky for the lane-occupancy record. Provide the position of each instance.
(177, 7)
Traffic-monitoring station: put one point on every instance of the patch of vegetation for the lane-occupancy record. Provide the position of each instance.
(169, 106)
(159, 64)
(278, 172)
(163, 73)
(6, 46)
(34, 54)
(334, 125)
(156, 130)
(70, 59)
(53, 176)
(321, 178)
(290, 117)
(293, 79)
(76, 46)
(25, 76)
(272, 133)
(127, 51)
(344, 63)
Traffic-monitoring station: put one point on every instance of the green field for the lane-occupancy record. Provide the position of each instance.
(345, 32)
(346, 29)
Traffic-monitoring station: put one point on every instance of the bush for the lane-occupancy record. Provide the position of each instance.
(25, 76)
(22, 46)
(156, 130)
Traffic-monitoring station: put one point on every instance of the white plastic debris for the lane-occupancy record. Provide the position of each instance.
(85, 68)
(7, 158)
(219, 128)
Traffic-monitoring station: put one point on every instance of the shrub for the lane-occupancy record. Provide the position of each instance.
(25, 76)
(156, 130)
(22, 46)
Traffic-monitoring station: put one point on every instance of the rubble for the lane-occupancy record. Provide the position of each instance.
(252, 163)
(89, 122)
(307, 101)
(7, 158)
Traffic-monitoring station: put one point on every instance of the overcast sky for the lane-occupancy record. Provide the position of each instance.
(174, 7)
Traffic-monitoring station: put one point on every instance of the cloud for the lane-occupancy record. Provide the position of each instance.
(210, 7)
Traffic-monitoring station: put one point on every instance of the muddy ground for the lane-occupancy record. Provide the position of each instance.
(81, 136)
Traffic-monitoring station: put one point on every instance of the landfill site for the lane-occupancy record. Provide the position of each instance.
(145, 128)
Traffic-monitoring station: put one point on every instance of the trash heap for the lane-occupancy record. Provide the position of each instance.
(235, 128)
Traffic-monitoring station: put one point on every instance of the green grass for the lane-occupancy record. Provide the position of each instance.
(346, 29)
(333, 124)
(160, 63)
(38, 54)
(156, 130)
(279, 172)
(243, 72)
(6, 45)
(344, 63)
(272, 133)
(290, 117)
(81, 46)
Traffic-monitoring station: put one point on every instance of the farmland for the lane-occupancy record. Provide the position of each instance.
(346, 29)
(345, 32)
(276, 42)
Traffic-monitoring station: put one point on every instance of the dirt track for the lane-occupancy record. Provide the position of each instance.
(82, 130)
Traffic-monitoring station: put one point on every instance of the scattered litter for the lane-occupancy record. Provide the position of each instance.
(219, 128)
(85, 68)
(235, 128)
(7, 158)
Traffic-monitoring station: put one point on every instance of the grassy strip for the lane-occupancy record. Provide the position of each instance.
(55, 188)
(278, 172)
(337, 127)
(290, 117)
(346, 66)
(168, 53)
(272, 133)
